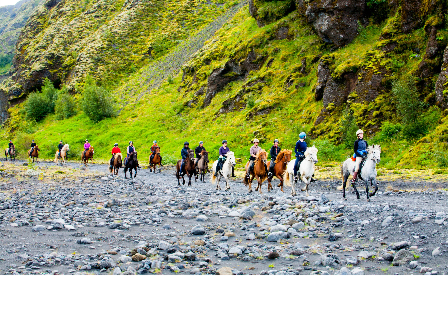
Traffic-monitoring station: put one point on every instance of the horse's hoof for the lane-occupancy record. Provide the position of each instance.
(368, 200)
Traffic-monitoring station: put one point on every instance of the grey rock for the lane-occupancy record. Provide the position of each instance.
(163, 245)
(84, 241)
(38, 228)
(387, 221)
(436, 252)
(401, 245)
(413, 264)
(277, 228)
(357, 271)
(402, 257)
(343, 271)
(247, 214)
(198, 230)
(124, 259)
(202, 218)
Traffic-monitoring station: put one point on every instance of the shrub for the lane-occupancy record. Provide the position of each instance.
(96, 101)
(65, 106)
(410, 108)
(39, 105)
(348, 128)
(329, 151)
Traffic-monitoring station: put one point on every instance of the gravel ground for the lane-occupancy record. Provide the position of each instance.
(82, 221)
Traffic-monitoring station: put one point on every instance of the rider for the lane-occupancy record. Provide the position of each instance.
(198, 152)
(130, 150)
(115, 150)
(10, 147)
(33, 144)
(300, 150)
(275, 150)
(86, 147)
(60, 146)
(223, 150)
(153, 149)
(253, 155)
(184, 155)
(360, 152)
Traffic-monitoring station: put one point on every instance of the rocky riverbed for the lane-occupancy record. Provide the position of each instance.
(73, 220)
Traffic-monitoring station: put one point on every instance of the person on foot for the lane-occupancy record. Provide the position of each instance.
(360, 152)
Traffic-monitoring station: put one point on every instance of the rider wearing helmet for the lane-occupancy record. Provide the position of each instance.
(153, 150)
(115, 150)
(60, 146)
(11, 147)
(360, 152)
(223, 150)
(253, 155)
(129, 151)
(275, 150)
(184, 155)
(198, 151)
(300, 150)
(33, 144)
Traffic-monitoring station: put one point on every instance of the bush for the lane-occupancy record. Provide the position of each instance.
(388, 131)
(329, 151)
(65, 106)
(39, 105)
(410, 108)
(96, 102)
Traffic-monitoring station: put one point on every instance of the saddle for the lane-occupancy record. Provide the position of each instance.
(361, 165)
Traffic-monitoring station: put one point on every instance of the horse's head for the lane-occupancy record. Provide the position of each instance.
(287, 155)
(91, 150)
(374, 153)
(311, 153)
(157, 150)
(231, 158)
(263, 156)
(204, 154)
(190, 154)
(66, 147)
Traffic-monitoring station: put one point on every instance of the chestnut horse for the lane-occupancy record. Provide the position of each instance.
(34, 153)
(117, 164)
(260, 171)
(281, 163)
(202, 166)
(156, 160)
(89, 155)
(189, 168)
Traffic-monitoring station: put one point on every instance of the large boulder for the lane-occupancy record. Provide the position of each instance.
(335, 21)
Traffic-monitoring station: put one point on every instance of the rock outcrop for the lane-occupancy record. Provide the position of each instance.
(442, 84)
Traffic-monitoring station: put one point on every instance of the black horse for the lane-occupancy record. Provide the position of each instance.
(131, 163)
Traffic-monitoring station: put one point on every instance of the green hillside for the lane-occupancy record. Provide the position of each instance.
(270, 71)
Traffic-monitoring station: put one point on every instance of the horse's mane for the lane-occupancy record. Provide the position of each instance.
(282, 154)
(311, 149)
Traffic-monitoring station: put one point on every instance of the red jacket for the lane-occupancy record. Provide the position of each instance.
(116, 150)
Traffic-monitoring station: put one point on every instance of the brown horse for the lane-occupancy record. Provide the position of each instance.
(88, 155)
(281, 163)
(202, 166)
(11, 153)
(34, 153)
(117, 164)
(189, 168)
(260, 171)
(156, 160)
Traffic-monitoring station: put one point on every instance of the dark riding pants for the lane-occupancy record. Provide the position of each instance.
(299, 160)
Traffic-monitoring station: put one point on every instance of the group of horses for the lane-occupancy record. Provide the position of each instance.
(283, 168)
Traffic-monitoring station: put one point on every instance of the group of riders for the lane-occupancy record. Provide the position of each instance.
(360, 153)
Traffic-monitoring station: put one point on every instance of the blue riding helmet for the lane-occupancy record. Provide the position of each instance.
(224, 141)
(276, 141)
(130, 142)
(201, 142)
(302, 135)
(154, 142)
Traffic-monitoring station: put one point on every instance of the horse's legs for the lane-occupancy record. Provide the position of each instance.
(367, 190)
(356, 191)
(344, 184)
(125, 170)
(259, 184)
(374, 183)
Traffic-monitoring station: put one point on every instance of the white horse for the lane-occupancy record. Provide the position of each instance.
(225, 172)
(367, 174)
(306, 170)
(63, 155)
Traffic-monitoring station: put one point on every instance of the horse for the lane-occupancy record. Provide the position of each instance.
(260, 171)
(306, 170)
(225, 172)
(281, 162)
(63, 154)
(34, 153)
(89, 155)
(117, 164)
(189, 168)
(202, 166)
(367, 173)
(131, 163)
(156, 160)
(11, 154)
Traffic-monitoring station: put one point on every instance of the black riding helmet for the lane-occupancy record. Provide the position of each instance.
(224, 141)
(186, 143)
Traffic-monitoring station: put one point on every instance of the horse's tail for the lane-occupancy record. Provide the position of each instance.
(246, 180)
(286, 179)
(213, 178)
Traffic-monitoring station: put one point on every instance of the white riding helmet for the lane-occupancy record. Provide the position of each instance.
(360, 131)
(256, 140)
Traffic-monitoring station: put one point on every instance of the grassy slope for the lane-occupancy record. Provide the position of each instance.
(162, 115)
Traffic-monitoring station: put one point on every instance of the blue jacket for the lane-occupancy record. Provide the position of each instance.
(300, 148)
(360, 147)
(184, 153)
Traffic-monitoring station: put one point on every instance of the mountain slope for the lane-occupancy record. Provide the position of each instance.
(277, 68)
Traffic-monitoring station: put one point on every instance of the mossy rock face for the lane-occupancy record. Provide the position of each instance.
(268, 11)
